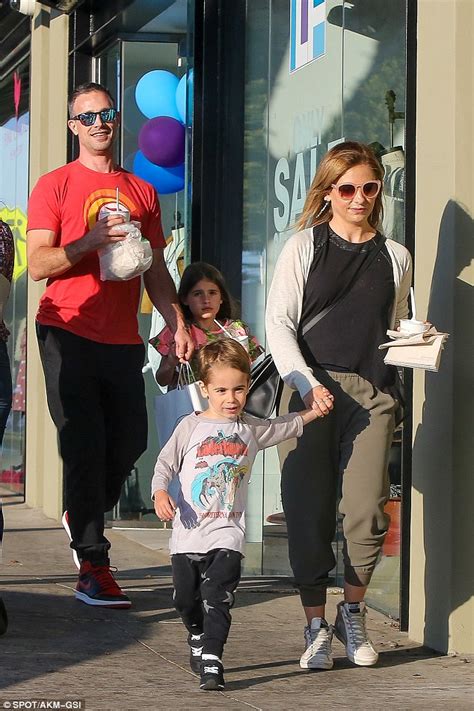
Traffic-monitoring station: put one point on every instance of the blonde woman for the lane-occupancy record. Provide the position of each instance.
(338, 286)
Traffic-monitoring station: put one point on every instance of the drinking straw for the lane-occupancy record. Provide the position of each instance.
(413, 304)
(117, 198)
(223, 329)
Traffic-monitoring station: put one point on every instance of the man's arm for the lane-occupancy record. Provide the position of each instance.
(45, 260)
(162, 292)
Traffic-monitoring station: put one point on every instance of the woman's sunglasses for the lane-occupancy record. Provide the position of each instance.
(348, 190)
(89, 117)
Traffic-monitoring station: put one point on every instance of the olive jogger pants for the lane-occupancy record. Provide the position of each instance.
(353, 442)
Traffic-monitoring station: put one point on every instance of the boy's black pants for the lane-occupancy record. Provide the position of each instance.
(96, 398)
(204, 587)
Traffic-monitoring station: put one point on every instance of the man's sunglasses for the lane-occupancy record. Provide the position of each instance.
(89, 117)
(348, 190)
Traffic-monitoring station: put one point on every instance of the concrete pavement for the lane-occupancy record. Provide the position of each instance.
(58, 648)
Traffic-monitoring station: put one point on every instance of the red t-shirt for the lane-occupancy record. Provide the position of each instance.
(68, 201)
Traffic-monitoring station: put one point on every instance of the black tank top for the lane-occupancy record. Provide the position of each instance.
(347, 338)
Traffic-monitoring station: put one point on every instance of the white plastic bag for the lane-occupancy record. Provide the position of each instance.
(171, 407)
(120, 261)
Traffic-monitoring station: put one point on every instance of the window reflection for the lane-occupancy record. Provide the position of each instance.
(295, 112)
(14, 143)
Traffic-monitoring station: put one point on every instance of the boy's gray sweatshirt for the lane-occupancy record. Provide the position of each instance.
(210, 462)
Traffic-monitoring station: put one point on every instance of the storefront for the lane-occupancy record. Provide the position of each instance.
(304, 77)
(318, 73)
(269, 87)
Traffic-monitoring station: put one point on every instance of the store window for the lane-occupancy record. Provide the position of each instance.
(14, 141)
(317, 73)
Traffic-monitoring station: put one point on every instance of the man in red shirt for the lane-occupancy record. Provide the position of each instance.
(87, 329)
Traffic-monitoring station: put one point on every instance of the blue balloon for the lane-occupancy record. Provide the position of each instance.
(186, 81)
(155, 94)
(164, 180)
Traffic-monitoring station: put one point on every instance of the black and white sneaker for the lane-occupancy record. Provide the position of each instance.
(195, 652)
(212, 675)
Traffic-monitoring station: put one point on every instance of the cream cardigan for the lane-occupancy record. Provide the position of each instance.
(285, 301)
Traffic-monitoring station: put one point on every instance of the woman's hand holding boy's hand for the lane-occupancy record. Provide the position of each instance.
(320, 400)
(165, 506)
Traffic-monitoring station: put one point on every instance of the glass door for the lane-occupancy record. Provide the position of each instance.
(316, 73)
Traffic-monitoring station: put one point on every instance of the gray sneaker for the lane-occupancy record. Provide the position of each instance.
(350, 629)
(318, 638)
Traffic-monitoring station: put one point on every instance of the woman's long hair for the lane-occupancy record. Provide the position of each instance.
(334, 164)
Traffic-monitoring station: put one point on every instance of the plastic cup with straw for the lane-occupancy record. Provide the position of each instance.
(115, 208)
(412, 325)
(243, 340)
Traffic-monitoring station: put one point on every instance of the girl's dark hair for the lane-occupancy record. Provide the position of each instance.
(224, 351)
(192, 275)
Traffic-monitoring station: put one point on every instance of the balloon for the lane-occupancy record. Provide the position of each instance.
(186, 81)
(164, 180)
(161, 140)
(155, 94)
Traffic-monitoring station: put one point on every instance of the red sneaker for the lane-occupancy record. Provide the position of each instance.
(97, 586)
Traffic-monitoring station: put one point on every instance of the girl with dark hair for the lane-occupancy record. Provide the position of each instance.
(208, 309)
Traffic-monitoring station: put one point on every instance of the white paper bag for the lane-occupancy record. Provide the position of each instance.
(420, 350)
(171, 407)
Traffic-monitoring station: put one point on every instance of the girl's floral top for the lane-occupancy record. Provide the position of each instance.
(230, 329)
(7, 257)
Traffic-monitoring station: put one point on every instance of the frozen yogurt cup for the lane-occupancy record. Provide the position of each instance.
(413, 326)
(243, 340)
(110, 208)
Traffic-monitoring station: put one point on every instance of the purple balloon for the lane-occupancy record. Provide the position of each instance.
(161, 141)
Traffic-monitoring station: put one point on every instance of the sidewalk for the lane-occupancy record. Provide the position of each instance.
(58, 648)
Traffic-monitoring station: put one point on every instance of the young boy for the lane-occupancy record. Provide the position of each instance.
(212, 454)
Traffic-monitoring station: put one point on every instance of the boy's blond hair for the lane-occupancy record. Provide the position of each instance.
(224, 351)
